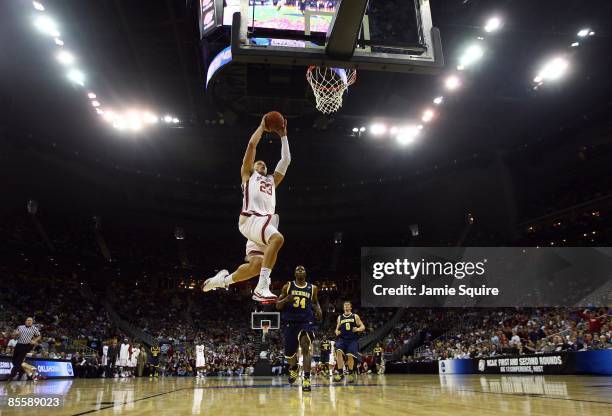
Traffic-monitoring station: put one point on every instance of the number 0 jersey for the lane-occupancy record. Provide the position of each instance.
(347, 323)
(259, 195)
(300, 309)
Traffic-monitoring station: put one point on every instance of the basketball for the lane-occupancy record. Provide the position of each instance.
(274, 121)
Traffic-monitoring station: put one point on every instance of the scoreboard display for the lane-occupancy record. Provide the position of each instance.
(283, 14)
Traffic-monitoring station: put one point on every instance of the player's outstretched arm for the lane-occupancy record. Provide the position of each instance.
(283, 163)
(249, 155)
(315, 303)
(337, 332)
(361, 326)
(284, 297)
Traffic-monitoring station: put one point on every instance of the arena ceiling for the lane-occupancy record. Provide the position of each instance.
(147, 52)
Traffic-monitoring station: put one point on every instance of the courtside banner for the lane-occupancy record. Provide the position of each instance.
(580, 362)
(47, 368)
(486, 276)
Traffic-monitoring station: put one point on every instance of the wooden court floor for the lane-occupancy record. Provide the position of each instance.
(371, 395)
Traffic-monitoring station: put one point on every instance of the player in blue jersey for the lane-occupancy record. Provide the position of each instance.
(348, 328)
(299, 305)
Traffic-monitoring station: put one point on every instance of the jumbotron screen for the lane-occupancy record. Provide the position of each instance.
(283, 14)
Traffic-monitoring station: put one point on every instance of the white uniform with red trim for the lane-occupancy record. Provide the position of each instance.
(105, 355)
(124, 355)
(200, 360)
(133, 361)
(258, 222)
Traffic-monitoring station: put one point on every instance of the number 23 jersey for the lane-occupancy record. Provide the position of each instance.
(259, 194)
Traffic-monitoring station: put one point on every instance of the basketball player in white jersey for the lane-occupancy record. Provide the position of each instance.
(200, 361)
(258, 222)
(104, 360)
(133, 361)
(124, 356)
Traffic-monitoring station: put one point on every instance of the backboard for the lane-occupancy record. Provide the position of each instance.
(378, 35)
(272, 318)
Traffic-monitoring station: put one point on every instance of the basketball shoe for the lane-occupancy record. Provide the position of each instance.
(263, 294)
(218, 281)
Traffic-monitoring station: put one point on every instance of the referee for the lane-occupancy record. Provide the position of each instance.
(27, 337)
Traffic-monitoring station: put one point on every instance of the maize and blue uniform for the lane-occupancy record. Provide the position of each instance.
(348, 339)
(298, 317)
(325, 351)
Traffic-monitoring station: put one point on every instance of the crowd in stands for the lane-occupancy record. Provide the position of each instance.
(518, 331)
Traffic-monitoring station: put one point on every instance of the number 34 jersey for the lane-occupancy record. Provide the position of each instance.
(259, 195)
(300, 309)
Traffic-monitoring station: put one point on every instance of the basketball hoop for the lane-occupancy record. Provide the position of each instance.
(329, 85)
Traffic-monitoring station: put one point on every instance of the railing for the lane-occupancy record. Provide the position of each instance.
(369, 341)
(420, 351)
(133, 331)
(81, 348)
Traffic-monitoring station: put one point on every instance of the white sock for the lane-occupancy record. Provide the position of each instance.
(229, 279)
(263, 277)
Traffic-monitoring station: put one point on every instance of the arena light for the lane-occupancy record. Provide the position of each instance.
(120, 124)
(428, 115)
(472, 54)
(362, 129)
(377, 129)
(38, 6)
(493, 24)
(135, 125)
(76, 76)
(133, 116)
(575, 44)
(355, 129)
(584, 32)
(110, 116)
(438, 100)
(65, 58)
(552, 70)
(131, 119)
(47, 26)
(150, 118)
(407, 135)
(452, 82)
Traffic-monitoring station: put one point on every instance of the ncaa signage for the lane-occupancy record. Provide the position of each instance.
(46, 368)
(579, 362)
(539, 364)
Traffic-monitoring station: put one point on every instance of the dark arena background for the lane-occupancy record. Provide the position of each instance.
(438, 128)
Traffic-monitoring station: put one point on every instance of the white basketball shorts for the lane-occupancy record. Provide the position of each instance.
(258, 230)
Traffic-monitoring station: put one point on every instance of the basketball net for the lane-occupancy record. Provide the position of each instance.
(328, 86)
